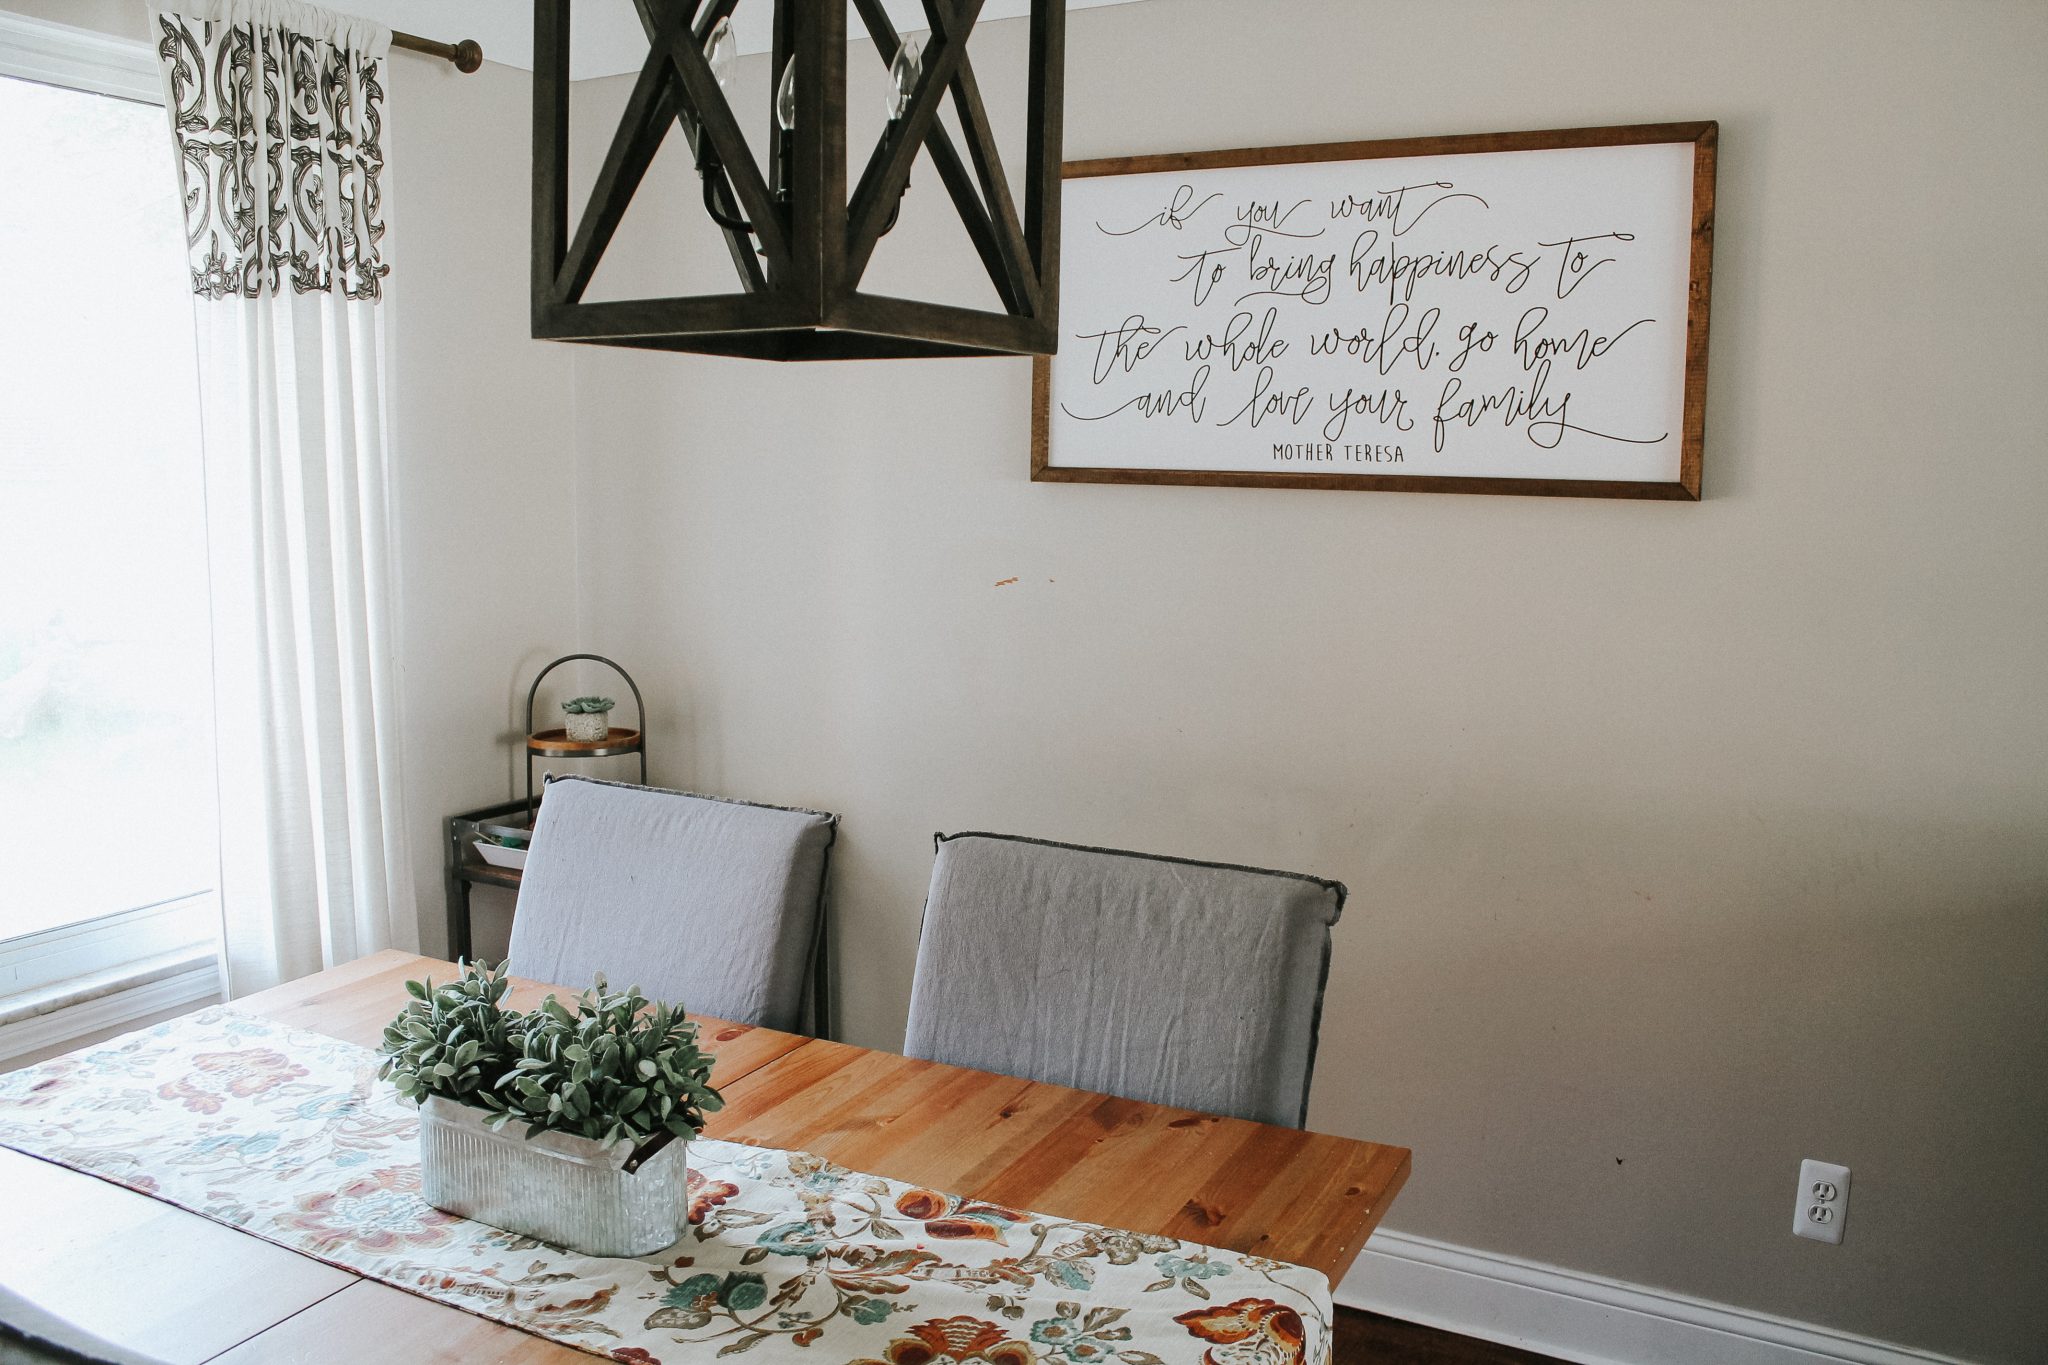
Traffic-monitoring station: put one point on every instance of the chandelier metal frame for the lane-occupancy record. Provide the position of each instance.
(800, 239)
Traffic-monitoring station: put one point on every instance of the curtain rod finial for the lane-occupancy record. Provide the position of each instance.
(469, 56)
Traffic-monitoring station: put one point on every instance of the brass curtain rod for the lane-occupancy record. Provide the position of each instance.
(467, 55)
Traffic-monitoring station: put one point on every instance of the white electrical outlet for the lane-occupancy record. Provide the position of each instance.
(1823, 1209)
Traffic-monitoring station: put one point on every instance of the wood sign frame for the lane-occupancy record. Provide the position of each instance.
(1697, 261)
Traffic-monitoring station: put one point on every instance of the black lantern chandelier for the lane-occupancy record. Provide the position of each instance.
(799, 240)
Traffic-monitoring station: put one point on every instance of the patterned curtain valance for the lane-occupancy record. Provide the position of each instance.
(277, 108)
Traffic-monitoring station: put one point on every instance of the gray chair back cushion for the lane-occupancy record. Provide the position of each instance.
(1197, 985)
(709, 903)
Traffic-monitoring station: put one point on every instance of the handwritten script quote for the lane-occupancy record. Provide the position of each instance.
(1502, 314)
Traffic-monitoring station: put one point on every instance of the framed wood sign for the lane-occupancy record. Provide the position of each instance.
(1502, 313)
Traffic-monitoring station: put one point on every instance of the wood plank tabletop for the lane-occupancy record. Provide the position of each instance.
(141, 1274)
(1309, 1198)
(369, 1322)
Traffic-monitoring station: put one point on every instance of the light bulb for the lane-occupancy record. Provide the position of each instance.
(903, 74)
(785, 97)
(721, 51)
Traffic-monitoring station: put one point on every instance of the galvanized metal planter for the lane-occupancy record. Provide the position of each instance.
(570, 1191)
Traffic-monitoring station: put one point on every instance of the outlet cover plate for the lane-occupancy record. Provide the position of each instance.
(1823, 1208)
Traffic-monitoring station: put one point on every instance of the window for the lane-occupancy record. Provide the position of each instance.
(108, 845)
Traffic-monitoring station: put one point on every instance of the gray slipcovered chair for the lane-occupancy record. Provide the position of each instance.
(713, 903)
(1192, 984)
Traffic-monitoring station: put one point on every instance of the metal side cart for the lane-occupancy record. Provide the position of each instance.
(465, 866)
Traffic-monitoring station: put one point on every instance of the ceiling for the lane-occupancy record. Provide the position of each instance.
(607, 40)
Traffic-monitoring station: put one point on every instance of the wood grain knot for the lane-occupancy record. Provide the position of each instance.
(1192, 1121)
(736, 1031)
(1208, 1215)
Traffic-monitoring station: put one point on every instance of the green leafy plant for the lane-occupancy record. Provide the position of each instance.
(616, 1067)
(452, 1040)
(588, 706)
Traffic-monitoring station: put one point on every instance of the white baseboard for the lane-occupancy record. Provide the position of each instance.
(1586, 1318)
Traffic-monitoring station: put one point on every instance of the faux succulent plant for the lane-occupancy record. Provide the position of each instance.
(452, 1040)
(616, 1067)
(588, 706)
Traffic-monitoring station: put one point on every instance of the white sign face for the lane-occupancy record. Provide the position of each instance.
(1506, 314)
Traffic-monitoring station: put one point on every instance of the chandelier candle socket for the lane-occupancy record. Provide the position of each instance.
(800, 236)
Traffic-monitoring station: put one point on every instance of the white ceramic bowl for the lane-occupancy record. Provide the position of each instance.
(497, 855)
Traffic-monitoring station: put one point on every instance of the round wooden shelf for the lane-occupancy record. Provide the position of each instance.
(557, 744)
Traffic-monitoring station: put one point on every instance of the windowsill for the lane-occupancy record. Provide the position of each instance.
(72, 1013)
(15, 1009)
(79, 959)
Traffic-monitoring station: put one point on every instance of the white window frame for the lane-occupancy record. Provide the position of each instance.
(79, 59)
(61, 984)
(185, 926)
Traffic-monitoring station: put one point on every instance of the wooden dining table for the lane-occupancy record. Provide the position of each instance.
(146, 1275)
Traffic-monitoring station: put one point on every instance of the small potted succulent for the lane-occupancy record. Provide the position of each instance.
(570, 1125)
(589, 718)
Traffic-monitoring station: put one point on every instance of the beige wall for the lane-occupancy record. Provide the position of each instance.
(1684, 841)
(485, 438)
(124, 18)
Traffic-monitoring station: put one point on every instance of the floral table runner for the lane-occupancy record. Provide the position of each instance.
(289, 1136)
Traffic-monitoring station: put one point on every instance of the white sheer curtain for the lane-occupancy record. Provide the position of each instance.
(277, 112)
